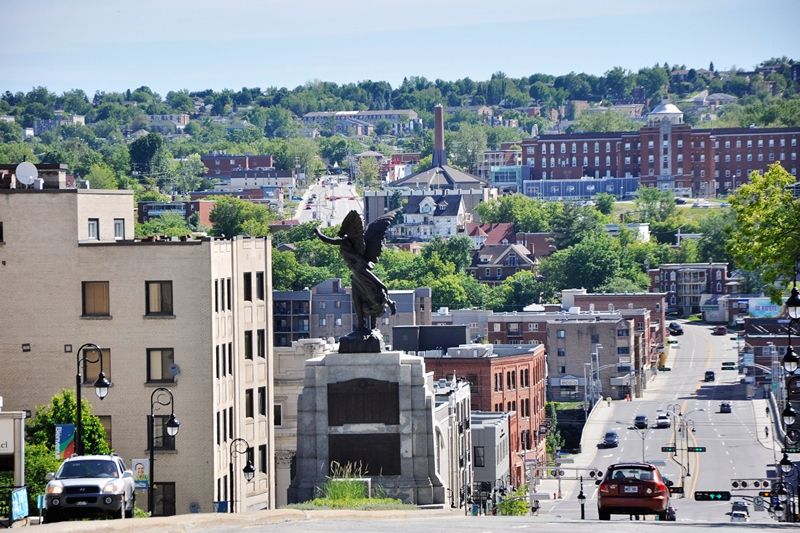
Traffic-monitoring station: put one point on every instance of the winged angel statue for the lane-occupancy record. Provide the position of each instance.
(360, 250)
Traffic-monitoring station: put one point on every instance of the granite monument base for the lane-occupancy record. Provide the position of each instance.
(374, 412)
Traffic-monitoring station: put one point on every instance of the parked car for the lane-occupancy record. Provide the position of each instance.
(709, 376)
(632, 488)
(89, 485)
(720, 330)
(663, 421)
(739, 516)
(610, 440)
(640, 422)
(675, 328)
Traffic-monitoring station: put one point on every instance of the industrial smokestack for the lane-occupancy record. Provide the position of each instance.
(439, 157)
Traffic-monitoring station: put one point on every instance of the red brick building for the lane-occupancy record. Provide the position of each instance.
(220, 165)
(508, 379)
(667, 153)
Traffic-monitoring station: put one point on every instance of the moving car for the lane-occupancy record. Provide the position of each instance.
(89, 485)
(675, 328)
(610, 440)
(739, 505)
(632, 488)
(640, 422)
(725, 407)
(663, 421)
(739, 516)
(709, 376)
(720, 330)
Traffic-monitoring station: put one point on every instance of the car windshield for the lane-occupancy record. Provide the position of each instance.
(611, 435)
(641, 417)
(632, 473)
(88, 468)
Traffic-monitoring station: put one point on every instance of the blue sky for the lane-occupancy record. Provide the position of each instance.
(113, 45)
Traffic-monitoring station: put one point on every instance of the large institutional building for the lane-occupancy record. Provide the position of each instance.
(667, 153)
(191, 316)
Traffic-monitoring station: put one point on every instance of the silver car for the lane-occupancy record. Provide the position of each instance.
(89, 485)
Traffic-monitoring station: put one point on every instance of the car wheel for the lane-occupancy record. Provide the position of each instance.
(663, 516)
(603, 515)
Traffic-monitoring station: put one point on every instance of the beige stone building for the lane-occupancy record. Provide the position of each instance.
(190, 316)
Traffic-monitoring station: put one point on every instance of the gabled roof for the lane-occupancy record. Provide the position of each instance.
(474, 230)
(452, 204)
(496, 232)
(492, 255)
(441, 177)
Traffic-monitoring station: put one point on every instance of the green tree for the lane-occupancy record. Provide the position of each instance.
(11, 132)
(455, 250)
(604, 202)
(467, 145)
(233, 216)
(590, 264)
(608, 120)
(516, 503)
(765, 237)
(654, 205)
(145, 151)
(16, 152)
(554, 441)
(518, 291)
(189, 174)
(62, 409)
(715, 229)
(101, 176)
(168, 224)
(571, 223)
(368, 172)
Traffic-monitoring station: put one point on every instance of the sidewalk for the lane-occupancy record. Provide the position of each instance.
(762, 421)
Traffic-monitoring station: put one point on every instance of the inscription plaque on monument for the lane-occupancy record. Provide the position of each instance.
(363, 401)
(378, 454)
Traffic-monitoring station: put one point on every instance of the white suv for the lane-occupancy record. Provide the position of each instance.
(89, 485)
(663, 421)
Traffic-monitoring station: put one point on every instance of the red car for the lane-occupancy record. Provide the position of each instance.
(632, 488)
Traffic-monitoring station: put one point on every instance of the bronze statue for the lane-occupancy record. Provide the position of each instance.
(360, 250)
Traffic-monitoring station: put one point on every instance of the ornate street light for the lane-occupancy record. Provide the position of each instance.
(101, 386)
(790, 359)
(789, 415)
(793, 303)
(249, 470)
(160, 396)
(785, 464)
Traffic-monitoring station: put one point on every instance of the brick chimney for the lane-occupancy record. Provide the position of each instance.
(439, 157)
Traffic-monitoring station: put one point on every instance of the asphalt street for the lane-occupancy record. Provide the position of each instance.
(334, 199)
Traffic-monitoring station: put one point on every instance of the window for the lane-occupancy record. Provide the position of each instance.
(561, 334)
(562, 370)
(91, 365)
(262, 401)
(95, 298)
(533, 326)
(1, 232)
(216, 296)
(159, 363)
(228, 283)
(248, 286)
(248, 344)
(338, 321)
(94, 229)
(162, 439)
(623, 333)
(216, 361)
(623, 350)
(260, 285)
(323, 321)
(262, 458)
(277, 415)
(261, 343)
(248, 403)
(159, 297)
(119, 228)
(562, 352)
(164, 498)
(478, 456)
(230, 422)
(496, 326)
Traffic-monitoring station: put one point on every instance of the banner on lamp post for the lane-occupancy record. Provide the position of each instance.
(65, 441)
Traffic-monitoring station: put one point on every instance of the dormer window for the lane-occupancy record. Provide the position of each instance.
(443, 206)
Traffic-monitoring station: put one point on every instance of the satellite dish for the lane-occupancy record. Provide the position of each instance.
(26, 173)
(174, 369)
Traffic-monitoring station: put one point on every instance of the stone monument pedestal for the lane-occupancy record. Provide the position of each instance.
(372, 411)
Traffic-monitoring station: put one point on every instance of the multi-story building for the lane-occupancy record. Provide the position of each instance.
(493, 264)
(491, 461)
(476, 320)
(666, 153)
(508, 379)
(220, 164)
(428, 217)
(201, 208)
(291, 316)
(191, 316)
(492, 233)
(452, 415)
(686, 283)
(401, 119)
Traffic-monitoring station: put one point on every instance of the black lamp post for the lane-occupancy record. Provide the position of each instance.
(582, 501)
(160, 396)
(101, 386)
(248, 470)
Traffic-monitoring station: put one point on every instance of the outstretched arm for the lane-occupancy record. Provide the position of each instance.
(327, 240)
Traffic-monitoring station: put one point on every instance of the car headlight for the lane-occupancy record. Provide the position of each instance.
(54, 488)
(112, 487)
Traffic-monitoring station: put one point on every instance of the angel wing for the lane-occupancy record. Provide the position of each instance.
(353, 229)
(375, 233)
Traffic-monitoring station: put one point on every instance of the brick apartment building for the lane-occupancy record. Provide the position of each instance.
(220, 165)
(667, 153)
(507, 379)
(686, 283)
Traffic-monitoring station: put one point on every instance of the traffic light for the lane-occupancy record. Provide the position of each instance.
(668, 448)
(765, 494)
(712, 495)
(750, 484)
(792, 449)
(699, 449)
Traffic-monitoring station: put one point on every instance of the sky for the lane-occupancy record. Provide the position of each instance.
(113, 45)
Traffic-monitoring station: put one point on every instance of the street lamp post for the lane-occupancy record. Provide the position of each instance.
(101, 386)
(582, 501)
(688, 457)
(248, 470)
(160, 396)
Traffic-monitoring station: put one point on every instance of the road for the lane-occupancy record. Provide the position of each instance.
(736, 446)
(332, 202)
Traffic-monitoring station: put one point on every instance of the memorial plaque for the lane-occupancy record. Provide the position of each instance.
(363, 401)
(376, 454)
